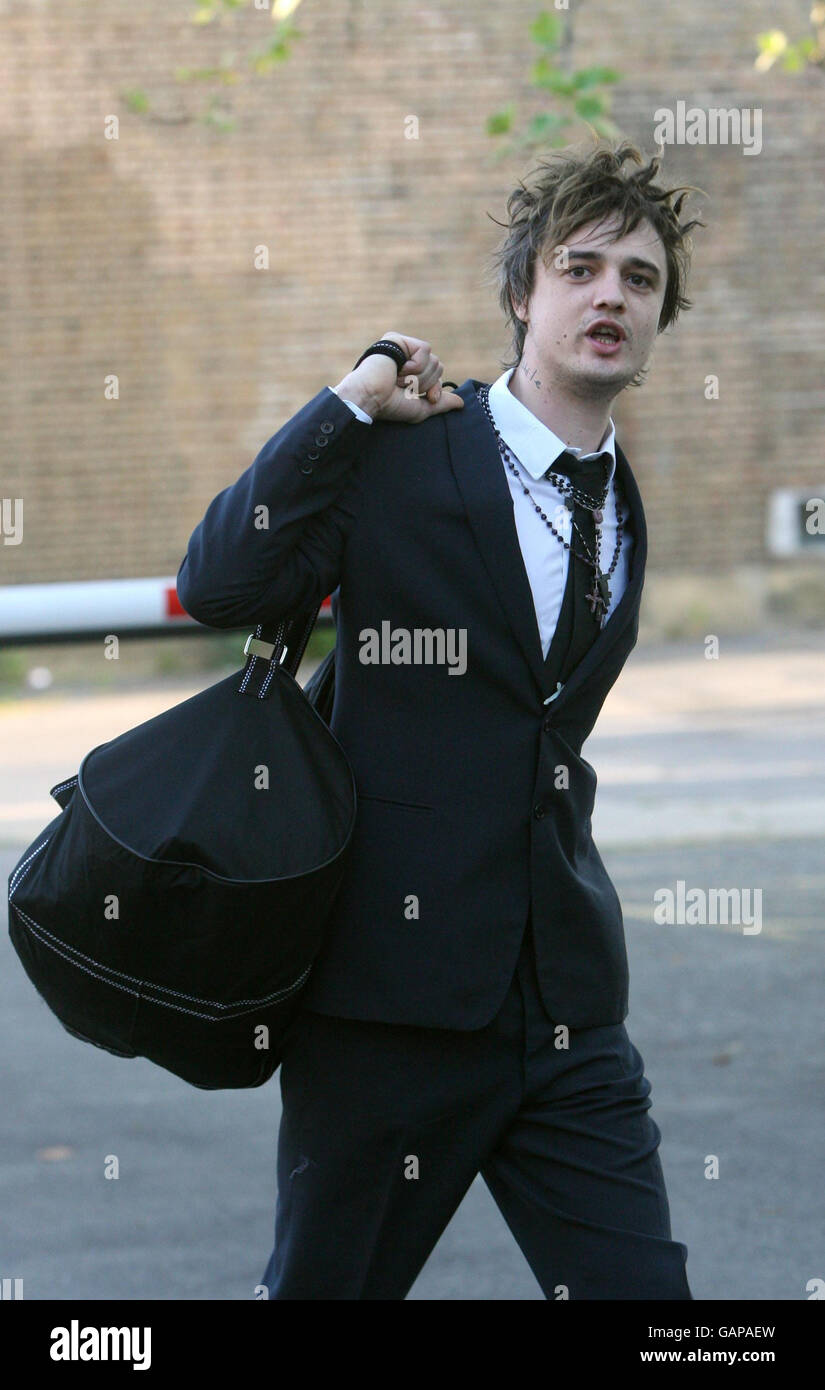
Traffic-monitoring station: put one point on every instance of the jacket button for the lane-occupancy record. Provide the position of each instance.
(313, 454)
(326, 427)
(306, 468)
(548, 724)
(321, 440)
(538, 811)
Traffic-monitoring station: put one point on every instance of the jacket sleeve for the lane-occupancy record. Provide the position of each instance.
(271, 543)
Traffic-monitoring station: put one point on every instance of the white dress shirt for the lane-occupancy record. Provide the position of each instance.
(546, 561)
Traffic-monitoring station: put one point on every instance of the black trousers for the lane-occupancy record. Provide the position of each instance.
(385, 1126)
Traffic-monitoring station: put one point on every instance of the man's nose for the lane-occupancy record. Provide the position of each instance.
(609, 290)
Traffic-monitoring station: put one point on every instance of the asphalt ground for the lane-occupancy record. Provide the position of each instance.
(709, 773)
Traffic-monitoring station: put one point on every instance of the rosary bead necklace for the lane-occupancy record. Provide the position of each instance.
(600, 595)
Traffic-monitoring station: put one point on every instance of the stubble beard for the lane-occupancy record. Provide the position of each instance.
(578, 381)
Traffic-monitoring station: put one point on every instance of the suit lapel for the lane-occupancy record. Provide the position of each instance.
(479, 474)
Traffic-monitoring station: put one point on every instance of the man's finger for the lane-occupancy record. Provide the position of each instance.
(418, 360)
(448, 400)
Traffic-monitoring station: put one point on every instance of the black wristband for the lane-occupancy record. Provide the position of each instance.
(391, 349)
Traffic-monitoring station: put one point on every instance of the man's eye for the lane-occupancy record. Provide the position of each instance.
(574, 268)
(643, 278)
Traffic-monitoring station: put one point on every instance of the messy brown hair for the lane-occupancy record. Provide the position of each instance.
(578, 185)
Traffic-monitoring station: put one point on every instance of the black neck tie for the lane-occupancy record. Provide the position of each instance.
(578, 625)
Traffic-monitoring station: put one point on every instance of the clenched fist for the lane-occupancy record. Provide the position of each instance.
(411, 395)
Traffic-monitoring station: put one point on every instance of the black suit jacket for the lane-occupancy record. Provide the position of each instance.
(474, 803)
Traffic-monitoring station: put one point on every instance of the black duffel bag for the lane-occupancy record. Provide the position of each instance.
(174, 908)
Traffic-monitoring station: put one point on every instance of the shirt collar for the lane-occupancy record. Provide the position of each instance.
(534, 444)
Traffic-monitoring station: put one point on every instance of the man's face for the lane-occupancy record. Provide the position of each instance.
(622, 282)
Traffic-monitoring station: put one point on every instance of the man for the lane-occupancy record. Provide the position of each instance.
(466, 1013)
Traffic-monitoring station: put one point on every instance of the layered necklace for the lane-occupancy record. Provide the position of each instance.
(600, 595)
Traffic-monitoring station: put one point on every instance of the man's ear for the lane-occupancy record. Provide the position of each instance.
(519, 309)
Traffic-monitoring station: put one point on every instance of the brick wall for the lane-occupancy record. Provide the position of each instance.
(135, 257)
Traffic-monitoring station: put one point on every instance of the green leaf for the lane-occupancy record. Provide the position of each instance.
(794, 60)
(772, 41)
(544, 124)
(265, 62)
(546, 30)
(500, 121)
(551, 78)
(196, 74)
(136, 100)
(589, 106)
(595, 77)
(277, 50)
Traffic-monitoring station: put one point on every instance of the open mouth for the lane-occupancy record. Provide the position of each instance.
(605, 339)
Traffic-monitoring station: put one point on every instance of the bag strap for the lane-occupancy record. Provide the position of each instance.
(283, 645)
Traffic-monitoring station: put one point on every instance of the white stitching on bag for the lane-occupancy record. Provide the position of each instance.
(21, 868)
(37, 928)
(40, 931)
